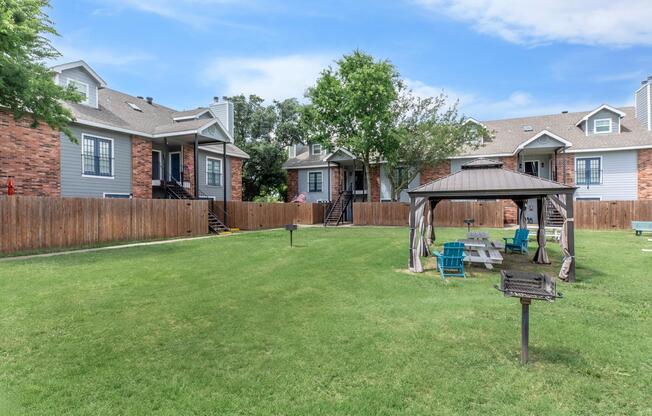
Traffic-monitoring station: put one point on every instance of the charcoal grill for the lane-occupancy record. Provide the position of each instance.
(468, 222)
(291, 228)
(527, 286)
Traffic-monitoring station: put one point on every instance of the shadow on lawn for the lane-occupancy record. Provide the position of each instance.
(556, 355)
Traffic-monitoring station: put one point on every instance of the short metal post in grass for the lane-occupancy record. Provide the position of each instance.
(291, 228)
(527, 286)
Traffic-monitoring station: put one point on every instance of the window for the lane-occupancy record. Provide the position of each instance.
(82, 88)
(156, 165)
(588, 171)
(213, 172)
(316, 149)
(314, 181)
(602, 125)
(97, 156)
(292, 151)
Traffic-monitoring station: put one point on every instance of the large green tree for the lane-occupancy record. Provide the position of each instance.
(426, 132)
(264, 131)
(26, 84)
(351, 106)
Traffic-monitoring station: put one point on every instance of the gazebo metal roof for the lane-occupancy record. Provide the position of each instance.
(485, 178)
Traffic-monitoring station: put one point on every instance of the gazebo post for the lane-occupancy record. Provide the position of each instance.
(412, 231)
(570, 234)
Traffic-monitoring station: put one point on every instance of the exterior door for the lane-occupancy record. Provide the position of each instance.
(532, 167)
(175, 166)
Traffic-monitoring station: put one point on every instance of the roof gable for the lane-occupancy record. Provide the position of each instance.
(597, 110)
(80, 64)
(545, 138)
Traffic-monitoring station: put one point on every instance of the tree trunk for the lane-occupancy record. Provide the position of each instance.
(367, 168)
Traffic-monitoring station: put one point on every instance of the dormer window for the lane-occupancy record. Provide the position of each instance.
(316, 149)
(292, 151)
(602, 125)
(81, 88)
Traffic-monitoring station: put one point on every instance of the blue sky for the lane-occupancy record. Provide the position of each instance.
(500, 58)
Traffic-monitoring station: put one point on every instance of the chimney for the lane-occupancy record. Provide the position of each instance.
(642, 98)
(150, 100)
(223, 110)
(216, 99)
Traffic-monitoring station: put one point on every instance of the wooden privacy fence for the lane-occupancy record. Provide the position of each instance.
(595, 215)
(258, 216)
(33, 223)
(447, 213)
(608, 215)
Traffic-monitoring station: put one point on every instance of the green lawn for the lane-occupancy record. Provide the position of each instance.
(247, 325)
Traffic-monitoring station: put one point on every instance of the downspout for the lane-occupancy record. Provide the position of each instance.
(196, 172)
(224, 169)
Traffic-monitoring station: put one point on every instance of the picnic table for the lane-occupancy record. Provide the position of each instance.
(482, 251)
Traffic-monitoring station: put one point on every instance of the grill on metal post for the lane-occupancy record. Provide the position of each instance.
(469, 222)
(527, 286)
(291, 228)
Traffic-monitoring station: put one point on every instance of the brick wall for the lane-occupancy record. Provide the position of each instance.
(565, 175)
(645, 174)
(374, 175)
(189, 167)
(236, 179)
(336, 182)
(436, 172)
(141, 167)
(510, 162)
(32, 156)
(293, 184)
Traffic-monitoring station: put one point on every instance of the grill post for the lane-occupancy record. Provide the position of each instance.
(525, 329)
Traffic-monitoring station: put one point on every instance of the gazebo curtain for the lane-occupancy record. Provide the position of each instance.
(567, 258)
(541, 255)
(417, 233)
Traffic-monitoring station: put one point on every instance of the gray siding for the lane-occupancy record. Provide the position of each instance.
(214, 191)
(386, 186)
(615, 120)
(80, 74)
(642, 105)
(225, 113)
(303, 185)
(72, 181)
(619, 176)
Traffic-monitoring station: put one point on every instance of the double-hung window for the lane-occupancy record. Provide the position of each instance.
(316, 149)
(213, 172)
(314, 181)
(82, 88)
(602, 125)
(588, 171)
(97, 156)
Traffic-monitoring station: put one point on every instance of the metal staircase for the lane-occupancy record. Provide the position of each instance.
(553, 217)
(338, 209)
(174, 190)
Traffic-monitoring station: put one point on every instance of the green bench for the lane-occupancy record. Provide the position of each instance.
(642, 226)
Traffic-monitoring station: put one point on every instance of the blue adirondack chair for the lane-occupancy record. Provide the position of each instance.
(451, 261)
(518, 243)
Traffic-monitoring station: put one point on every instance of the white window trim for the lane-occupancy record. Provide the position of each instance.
(169, 178)
(292, 151)
(312, 149)
(538, 165)
(321, 180)
(87, 101)
(611, 126)
(584, 158)
(221, 171)
(83, 168)
(104, 194)
(156, 182)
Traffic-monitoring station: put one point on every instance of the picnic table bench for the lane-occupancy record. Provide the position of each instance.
(641, 227)
(484, 252)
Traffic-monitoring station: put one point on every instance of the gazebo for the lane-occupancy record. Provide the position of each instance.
(488, 179)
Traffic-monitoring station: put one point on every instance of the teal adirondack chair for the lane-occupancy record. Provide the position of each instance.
(451, 261)
(518, 243)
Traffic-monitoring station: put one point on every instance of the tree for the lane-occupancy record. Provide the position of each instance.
(352, 107)
(263, 173)
(26, 84)
(426, 132)
(253, 121)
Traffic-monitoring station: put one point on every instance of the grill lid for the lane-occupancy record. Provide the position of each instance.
(528, 285)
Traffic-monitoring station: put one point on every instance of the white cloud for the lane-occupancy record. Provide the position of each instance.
(195, 13)
(592, 22)
(277, 77)
(516, 104)
(102, 56)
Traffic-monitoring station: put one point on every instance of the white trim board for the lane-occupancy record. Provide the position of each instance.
(81, 153)
(221, 171)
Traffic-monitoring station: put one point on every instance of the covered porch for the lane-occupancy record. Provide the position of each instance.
(487, 180)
